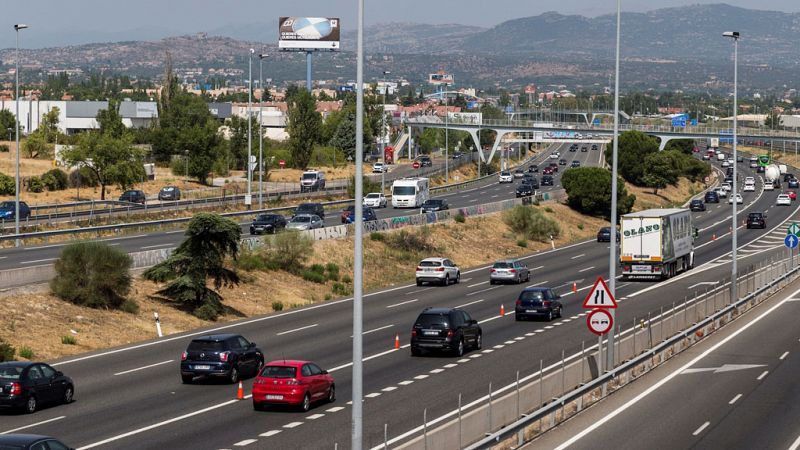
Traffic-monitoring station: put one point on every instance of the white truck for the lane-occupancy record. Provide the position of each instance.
(657, 243)
(410, 192)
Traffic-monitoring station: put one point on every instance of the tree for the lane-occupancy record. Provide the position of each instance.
(505, 99)
(634, 146)
(660, 170)
(682, 145)
(303, 125)
(111, 160)
(589, 192)
(35, 146)
(7, 122)
(48, 126)
(93, 274)
(773, 120)
(110, 121)
(210, 239)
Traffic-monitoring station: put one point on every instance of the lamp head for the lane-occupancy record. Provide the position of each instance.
(731, 34)
(252, 51)
(20, 26)
(262, 55)
(386, 72)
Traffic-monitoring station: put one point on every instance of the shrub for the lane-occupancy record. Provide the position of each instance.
(4, 148)
(375, 236)
(7, 185)
(531, 223)
(92, 274)
(178, 166)
(580, 226)
(26, 352)
(347, 279)
(548, 209)
(7, 351)
(333, 271)
(368, 186)
(290, 250)
(129, 306)
(55, 180)
(206, 312)
(250, 261)
(318, 268)
(83, 177)
(35, 184)
(410, 241)
(69, 340)
(313, 276)
(340, 289)
(522, 243)
(460, 218)
(277, 306)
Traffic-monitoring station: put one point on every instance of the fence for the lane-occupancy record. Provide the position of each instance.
(517, 413)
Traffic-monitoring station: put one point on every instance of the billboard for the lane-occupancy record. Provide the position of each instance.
(308, 33)
(466, 117)
(440, 78)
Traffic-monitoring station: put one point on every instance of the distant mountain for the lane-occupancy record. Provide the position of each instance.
(411, 38)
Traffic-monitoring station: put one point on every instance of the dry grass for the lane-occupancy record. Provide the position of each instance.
(38, 320)
(672, 196)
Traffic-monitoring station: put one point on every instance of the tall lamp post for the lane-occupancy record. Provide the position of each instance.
(249, 198)
(17, 27)
(261, 57)
(9, 134)
(356, 430)
(383, 131)
(612, 253)
(735, 36)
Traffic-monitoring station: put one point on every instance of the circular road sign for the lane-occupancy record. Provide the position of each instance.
(599, 321)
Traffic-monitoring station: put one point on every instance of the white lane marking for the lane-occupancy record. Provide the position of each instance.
(700, 430)
(733, 400)
(529, 334)
(315, 416)
(373, 395)
(435, 371)
(482, 290)
(450, 366)
(245, 442)
(296, 329)
(33, 425)
(270, 433)
(130, 237)
(157, 246)
(470, 303)
(763, 374)
(519, 338)
(499, 346)
(477, 284)
(540, 330)
(538, 267)
(175, 232)
(292, 424)
(537, 284)
(144, 367)
(784, 355)
(25, 249)
(463, 360)
(509, 342)
(476, 355)
(703, 283)
(38, 261)
(334, 409)
(578, 256)
(464, 280)
(406, 382)
(488, 350)
(796, 444)
(588, 268)
(403, 303)
(421, 377)
(377, 329)
(389, 389)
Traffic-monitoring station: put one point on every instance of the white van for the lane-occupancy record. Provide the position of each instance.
(410, 192)
(721, 156)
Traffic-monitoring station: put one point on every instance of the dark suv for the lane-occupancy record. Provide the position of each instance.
(756, 220)
(711, 197)
(445, 329)
(221, 355)
(697, 205)
(538, 302)
(267, 223)
(311, 208)
(547, 180)
(169, 193)
(133, 196)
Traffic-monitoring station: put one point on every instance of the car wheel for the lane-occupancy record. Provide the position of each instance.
(68, 393)
(415, 351)
(550, 315)
(446, 280)
(30, 405)
(479, 342)
(528, 278)
(332, 394)
(306, 405)
(233, 375)
(458, 278)
(459, 351)
(491, 281)
(419, 283)
(258, 406)
(559, 312)
(187, 379)
(519, 279)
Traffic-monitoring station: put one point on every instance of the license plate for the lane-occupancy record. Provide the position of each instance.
(641, 269)
(274, 397)
(431, 333)
(428, 270)
(202, 367)
(533, 311)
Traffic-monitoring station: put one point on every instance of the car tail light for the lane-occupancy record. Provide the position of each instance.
(413, 331)
(16, 389)
(519, 302)
(184, 355)
(546, 303)
(450, 333)
(513, 270)
(419, 269)
(294, 382)
(492, 271)
(224, 356)
(626, 269)
(440, 269)
(656, 269)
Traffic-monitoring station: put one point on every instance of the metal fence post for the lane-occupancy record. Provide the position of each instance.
(661, 325)
(386, 436)
(634, 335)
(460, 445)
(490, 407)
(425, 427)
(583, 360)
(541, 382)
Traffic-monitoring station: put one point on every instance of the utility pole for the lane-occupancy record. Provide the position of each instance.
(734, 232)
(249, 197)
(612, 254)
(358, 260)
(17, 28)
(383, 133)
(261, 57)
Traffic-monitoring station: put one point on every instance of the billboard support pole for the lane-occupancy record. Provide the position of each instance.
(308, 71)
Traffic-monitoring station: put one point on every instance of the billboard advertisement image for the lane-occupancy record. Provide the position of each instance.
(309, 33)
(440, 78)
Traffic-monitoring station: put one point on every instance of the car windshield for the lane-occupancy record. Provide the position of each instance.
(11, 372)
(301, 219)
(430, 264)
(432, 203)
(755, 215)
(505, 173)
(305, 208)
(279, 372)
(309, 176)
(6, 205)
(266, 218)
(605, 230)
(431, 319)
(167, 189)
(502, 265)
(531, 295)
(206, 346)
(373, 196)
(403, 190)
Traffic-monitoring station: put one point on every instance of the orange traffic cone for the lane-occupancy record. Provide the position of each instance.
(240, 392)
(574, 287)
(396, 341)
(502, 310)
(714, 237)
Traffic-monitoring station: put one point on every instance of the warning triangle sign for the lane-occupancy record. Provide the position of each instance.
(600, 296)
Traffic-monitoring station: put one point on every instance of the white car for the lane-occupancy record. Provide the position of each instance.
(375, 200)
(506, 177)
(749, 180)
(554, 155)
(783, 199)
(731, 162)
(749, 188)
(379, 168)
(726, 163)
(727, 186)
(721, 192)
(437, 270)
(768, 186)
(739, 199)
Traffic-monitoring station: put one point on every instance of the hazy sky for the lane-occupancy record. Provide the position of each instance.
(52, 19)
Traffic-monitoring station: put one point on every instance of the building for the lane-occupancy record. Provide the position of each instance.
(77, 116)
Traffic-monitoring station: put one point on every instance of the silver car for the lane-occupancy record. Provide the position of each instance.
(509, 270)
(437, 270)
(305, 222)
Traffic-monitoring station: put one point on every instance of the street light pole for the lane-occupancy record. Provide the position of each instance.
(735, 36)
(261, 57)
(17, 27)
(249, 198)
(446, 136)
(383, 131)
(358, 260)
(187, 164)
(612, 253)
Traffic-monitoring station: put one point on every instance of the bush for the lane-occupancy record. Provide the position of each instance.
(589, 192)
(314, 276)
(548, 209)
(69, 340)
(26, 352)
(277, 306)
(92, 274)
(368, 186)
(178, 166)
(522, 243)
(347, 279)
(55, 180)
(7, 185)
(83, 177)
(318, 268)
(580, 226)
(35, 184)
(4, 148)
(375, 236)
(250, 261)
(206, 312)
(340, 289)
(7, 351)
(460, 218)
(531, 223)
(410, 241)
(333, 271)
(290, 250)
(129, 306)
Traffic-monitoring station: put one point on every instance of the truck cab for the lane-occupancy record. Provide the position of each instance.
(312, 180)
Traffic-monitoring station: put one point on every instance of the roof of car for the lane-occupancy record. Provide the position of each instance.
(534, 289)
(215, 337)
(438, 310)
(435, 258)
(287, 362)
(21, 439)
(16, 363)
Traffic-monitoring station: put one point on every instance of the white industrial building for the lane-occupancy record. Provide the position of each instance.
(77, 116)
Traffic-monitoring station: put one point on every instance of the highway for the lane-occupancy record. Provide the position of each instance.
(735, 390)
(133, 396)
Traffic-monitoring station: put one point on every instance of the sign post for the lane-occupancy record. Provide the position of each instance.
(791, 242)
(600, 320)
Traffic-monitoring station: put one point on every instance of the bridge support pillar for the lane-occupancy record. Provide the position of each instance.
(497, 139)
(474, 134)
(664, 140)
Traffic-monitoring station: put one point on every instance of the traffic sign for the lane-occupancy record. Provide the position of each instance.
(281, 163)
(794, 229)
(600, 296)
(790, 241)
(599, 321)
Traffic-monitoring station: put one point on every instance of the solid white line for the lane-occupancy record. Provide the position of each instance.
(25, 249)
(763, 374)
(588, 268)
(702, 283)
(470, 303)
(537, 284)
(733, 400)
(537, 268)
(477, 284)
(796, 444)
(270, 433)
(602, 421)
(403, 303)
(33, 425)
(245, 442)
(578, 256)
(157, 246)
(784, 355)
(700, 430)
(144, 367)
(296, 329)
(38, 261)
(378, 329)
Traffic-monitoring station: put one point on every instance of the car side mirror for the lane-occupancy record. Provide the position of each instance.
(558, 297)
(252, 344)
(59, 373)
(473, 322)
(324, 372)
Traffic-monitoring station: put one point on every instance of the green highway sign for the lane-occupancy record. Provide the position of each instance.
(794, 229)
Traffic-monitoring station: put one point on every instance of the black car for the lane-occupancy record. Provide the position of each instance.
(760, 169)
(793, 184)
(533, 168)
(169, 193)
(425, 161)
(711, 197)
(31, 442)
(267, 223)
(530, 179)
(594, 146)
(8, 210)
(445, 329)
(536, 302)
(787, 177)
(697, 205)
(133, 196)
(25, 385)
(604, 235)
(435, 204)
(524, 190)
(367, 214)
(222, 356)
(575, 163)
(547, 180)
(584, 149)
(562, 162)
(310, 208)
(458, 155)
(573, 148)
(756, 220)
(518, 173)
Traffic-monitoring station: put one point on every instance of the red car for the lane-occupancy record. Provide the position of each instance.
(792, 194)
(289, 382)
(547, 171)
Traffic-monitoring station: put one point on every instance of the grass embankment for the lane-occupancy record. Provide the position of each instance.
(669, 197)
(38, 320)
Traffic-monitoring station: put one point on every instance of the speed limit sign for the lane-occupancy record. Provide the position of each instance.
(599, 321)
